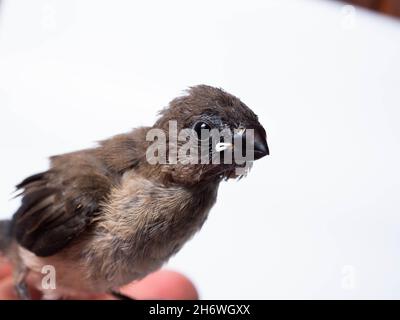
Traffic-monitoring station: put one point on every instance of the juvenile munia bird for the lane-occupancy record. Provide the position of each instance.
(105, 216)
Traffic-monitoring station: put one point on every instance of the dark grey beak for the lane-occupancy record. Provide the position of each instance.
(260, 144)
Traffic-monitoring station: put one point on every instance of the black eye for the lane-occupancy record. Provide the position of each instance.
(199, 126)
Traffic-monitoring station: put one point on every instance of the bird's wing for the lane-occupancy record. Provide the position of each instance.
(57, 205)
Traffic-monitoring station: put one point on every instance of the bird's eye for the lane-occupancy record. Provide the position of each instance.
(200, 126)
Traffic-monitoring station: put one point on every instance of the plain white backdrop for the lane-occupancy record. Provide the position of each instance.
(319, 218)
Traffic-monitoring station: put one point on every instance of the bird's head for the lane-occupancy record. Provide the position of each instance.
(219, 126)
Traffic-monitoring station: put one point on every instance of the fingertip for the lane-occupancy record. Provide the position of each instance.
(7, 291)
(164, 285)
(5, 270)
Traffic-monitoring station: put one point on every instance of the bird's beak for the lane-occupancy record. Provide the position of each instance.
(259, 144)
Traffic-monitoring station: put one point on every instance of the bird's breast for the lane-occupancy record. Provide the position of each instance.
(142, 225)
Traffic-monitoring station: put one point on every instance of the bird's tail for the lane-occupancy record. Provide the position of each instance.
(5, 235)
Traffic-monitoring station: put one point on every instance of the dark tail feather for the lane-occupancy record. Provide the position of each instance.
(5, 235)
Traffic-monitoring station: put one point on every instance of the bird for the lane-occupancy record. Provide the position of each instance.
(106, 216)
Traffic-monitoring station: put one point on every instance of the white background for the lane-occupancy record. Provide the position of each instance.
(319, 218)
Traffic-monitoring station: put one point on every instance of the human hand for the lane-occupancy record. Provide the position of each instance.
(164, 285)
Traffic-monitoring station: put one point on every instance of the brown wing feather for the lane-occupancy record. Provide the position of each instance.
(59, 204)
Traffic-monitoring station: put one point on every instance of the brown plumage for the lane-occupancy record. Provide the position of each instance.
(105, 216)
